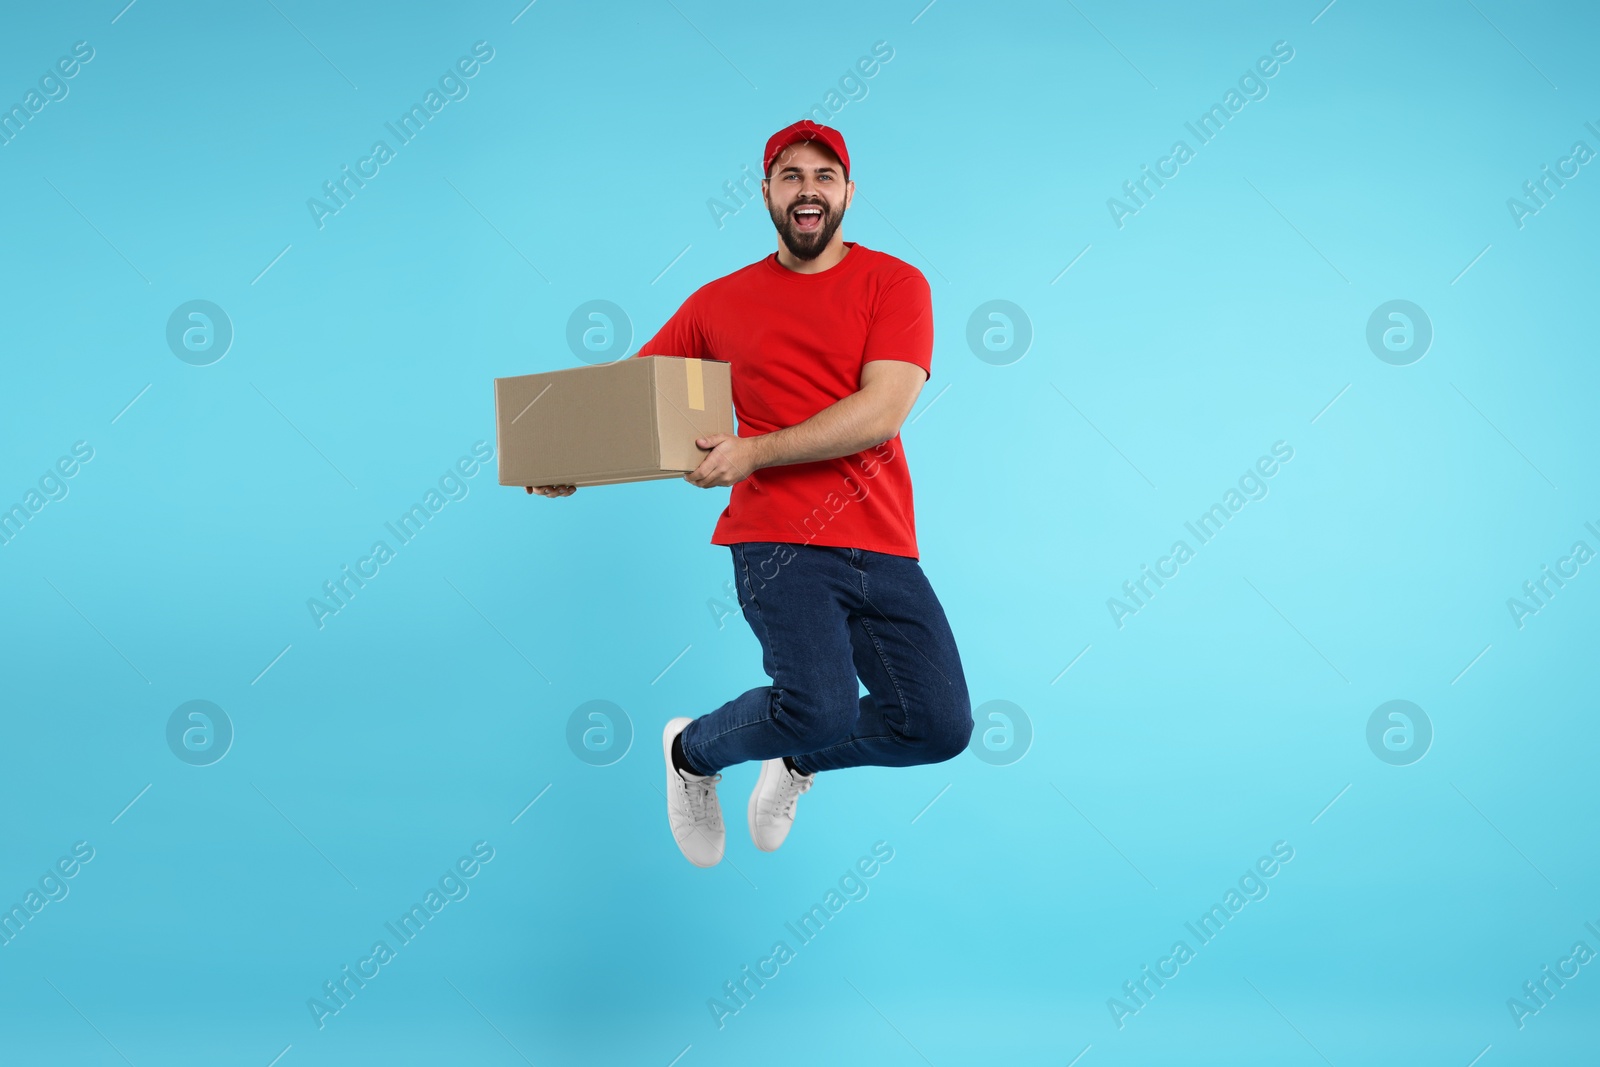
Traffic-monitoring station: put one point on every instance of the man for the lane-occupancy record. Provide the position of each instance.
(829, 344)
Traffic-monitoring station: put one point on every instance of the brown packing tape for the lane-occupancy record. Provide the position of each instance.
(697, 384)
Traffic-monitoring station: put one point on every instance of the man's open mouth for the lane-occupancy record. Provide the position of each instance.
(807, 217)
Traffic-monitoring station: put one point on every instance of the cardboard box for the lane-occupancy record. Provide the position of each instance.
(627, 421)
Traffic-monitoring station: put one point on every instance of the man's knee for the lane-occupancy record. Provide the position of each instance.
(818, 719)
(950, 734)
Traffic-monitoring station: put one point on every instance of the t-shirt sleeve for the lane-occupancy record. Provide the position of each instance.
(903, 326)
(682, 335)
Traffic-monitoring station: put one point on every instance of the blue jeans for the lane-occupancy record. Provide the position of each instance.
(824, 616)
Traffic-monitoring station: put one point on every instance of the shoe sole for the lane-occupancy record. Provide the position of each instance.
(673, 728)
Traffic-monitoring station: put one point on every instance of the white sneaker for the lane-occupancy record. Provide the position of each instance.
(771, 811)
(692, 808)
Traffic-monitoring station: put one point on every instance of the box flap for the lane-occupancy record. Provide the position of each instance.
(693, 398)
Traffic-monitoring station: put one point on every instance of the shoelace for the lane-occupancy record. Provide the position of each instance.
(698, 794)
(789, 791)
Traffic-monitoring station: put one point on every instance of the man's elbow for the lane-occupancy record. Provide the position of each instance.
(887, 411)
(887, 429)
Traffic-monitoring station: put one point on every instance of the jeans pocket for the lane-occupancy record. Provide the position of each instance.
(741, 581)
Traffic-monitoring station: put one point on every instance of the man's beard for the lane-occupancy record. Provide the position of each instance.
(806, 246)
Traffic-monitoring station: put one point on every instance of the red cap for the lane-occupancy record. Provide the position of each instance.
(806, 130)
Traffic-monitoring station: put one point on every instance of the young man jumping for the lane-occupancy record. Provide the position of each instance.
(829, 344)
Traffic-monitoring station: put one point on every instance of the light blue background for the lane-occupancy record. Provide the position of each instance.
(1228, 314)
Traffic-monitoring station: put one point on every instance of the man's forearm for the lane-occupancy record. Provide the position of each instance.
(843, 428)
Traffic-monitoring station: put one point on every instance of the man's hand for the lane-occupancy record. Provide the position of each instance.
(552, 490)
(858, 421)
(731, 459)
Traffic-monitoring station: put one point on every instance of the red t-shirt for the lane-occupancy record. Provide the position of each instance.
(796, 344)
